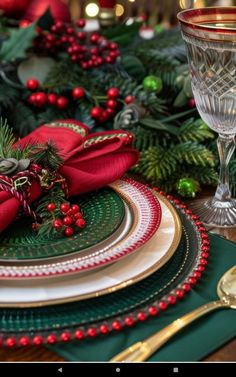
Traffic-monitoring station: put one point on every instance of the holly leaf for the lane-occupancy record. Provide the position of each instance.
(17, 44)
(46, 20)
(122, 34)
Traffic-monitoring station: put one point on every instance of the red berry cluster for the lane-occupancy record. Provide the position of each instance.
(71, 218)
(88, 50)
(41, 99)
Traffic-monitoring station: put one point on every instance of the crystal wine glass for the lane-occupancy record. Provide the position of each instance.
(210, 38)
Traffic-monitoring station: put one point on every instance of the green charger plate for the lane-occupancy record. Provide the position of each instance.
(103, 211)
(115, 306)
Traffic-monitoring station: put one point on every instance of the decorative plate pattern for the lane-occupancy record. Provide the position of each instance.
(146, 222)
(103, 211)
(123, 308)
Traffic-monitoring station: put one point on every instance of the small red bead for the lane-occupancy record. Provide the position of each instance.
(129, 99)
(111, 104)
(94, 38)
(192, 280)
(64, 207)
(37, 340)
(75, 208)
(81, 22)
(79, 334)
(24, 341)
(51, 339)
(78, 92)
(205, 254)
(141, 316)
(179, 293)
(116, 325)
(171, 299)
(62, 102)
(68, 232)
(57, 224)
(201, 229)
(67, 220)
(203, 261)
(194, 217)
(205, 242)
(92, 332)
(81, 35)
(169, 197)
(51, 207)
(153, 311)
(205, 248)
(200, 268)
(52, 98)
(155, 188)
(204, 236)
(163, 305)
(32, 84)
(113, 93)
(80, 223)
(11, 341)
(197, 274)
(65, 336)
(96, 112)
(198, 223)
(78, 215)
(188, 212)
(176, 201)
(129, 321)
(70, 30)
(186, 287)
(162, 193)
(104, 329)
(183, 206)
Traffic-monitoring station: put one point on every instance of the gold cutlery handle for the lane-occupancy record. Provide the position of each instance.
(142, 350)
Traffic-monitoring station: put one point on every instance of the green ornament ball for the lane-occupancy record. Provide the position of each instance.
(187, 187)
(152, 83)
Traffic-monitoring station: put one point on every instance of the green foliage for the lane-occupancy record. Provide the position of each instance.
(194, 130)
(122, 34)
(17, 44)
(8, 95)
(46, 155)
(193, 153)
(6, 140)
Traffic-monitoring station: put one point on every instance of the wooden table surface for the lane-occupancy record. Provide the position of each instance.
(225, 353)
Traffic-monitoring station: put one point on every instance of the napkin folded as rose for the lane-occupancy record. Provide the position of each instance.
(91, 161)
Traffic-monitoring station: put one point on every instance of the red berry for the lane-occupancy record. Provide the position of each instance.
(94, 38)
(172, 299)
(70, 30)
(50, 37)
(110, 112)
(11, 342)
(79, 334)
(81, 35)
(80, 223)
(113, 46)
(84, 65)
(94, 51)
(100, 60)
(74, 58)
(78, 92)
(65, 336)
(51, 339)
(71, 39)
(92, 332)
(141, 316)
(51, 207)
(32, 99)
(191, 103)
(52, 99)
(68, 232)
(111, 104)
(116, 325)
(64, 207)
(153, 310)
(62, 102)
(32, 84)
(57, 224)
(129, 321)
(179, 293)
(35, 226)
(129, 99)
(109, 60)
(24, 341)
(104, 329)
(96, 112)
(37, 340)
(67, 220)
(78, 215)
(40, 99)
(81, 23)
(75, 208)
(113, 93)
(163, 305)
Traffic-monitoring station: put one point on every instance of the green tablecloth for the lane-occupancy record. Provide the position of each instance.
(193, 343)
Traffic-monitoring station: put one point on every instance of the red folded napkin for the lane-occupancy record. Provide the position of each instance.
(90, 161)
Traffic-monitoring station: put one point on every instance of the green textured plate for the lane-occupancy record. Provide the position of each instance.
(80, 315)
(103, 211)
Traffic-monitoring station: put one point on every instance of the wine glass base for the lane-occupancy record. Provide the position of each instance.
(215, 214)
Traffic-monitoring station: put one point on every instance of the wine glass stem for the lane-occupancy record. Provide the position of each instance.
(226, 146)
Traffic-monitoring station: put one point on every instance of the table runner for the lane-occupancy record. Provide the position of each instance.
(193, 343)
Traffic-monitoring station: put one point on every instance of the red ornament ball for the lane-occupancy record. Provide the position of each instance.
(113, 93)
(81, 23)
(40, 99)
(129, 99)
(112, 104)
(57, 224)
(67, 220)
(68, 232)
(62, 102)
(75, 208)
(52, 99)
(80, 223)
(64, 207)
(78, 92)
(96, 112)
(32, 84)
(51, 207)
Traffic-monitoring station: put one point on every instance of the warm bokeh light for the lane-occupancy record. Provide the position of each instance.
(131, 1)
(119, 10)
(184, 4)
(92, 10)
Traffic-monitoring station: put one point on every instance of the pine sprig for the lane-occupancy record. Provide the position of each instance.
(194, 130)
(193, 154)
(6, 139)
(47, 156)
